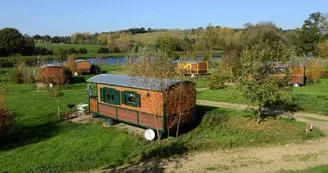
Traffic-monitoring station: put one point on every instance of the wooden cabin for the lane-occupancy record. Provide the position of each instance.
(189, 67)
(297, 72)
(52, 73)
(82, 66)
(132, 101)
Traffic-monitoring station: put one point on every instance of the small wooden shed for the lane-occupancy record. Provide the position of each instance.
(297, 72)
(191, 67)
(52, 73)
(82, 66)
(133, 101)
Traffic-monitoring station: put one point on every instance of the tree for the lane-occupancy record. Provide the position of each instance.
(148, 63)
(56, 39)
(29, 46)
(314, 70)
(11, 41)
(55, 92)
(37, 37)
(167, 44)
(60, 54)
(323, 49)
(313, 31)
(149, 30)
(71, 63)
(46, 38)
(258, 81)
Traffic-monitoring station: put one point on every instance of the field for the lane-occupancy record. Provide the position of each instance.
(91, 48)
(152, 37)
(309, 98)
(41, 142)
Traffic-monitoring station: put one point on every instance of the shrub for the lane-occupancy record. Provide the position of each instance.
(68, 75)
(323, 49)
(314, 70)
(102, 50)
(71, 64)
(7, 120)
(95, 69)
(82, 50)
(217, 81)
(42, 51)
(24, 74)
(72, 51)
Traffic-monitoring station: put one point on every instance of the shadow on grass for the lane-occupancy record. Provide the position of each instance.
(24, 135)
(78, 79)
(151, 158)
(199, 114)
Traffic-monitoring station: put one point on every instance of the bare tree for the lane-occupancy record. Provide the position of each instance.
(155, 68)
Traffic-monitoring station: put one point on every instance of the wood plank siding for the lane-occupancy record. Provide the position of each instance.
(82, 67)
(151, 101)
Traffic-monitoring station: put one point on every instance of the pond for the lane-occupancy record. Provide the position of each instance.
(105, 60)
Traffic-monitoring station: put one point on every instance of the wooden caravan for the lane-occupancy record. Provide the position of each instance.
(192, 67)
(82, 66)
(157, 104)
(52, 73)
(297, 72)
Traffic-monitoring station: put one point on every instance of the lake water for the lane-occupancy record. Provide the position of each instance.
(106, 60)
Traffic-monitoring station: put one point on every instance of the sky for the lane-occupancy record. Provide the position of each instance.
(64, 17)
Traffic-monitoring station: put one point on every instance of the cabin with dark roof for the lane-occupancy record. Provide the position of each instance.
(52, 73)
(147, 103)
(82, 66)
(189, 67)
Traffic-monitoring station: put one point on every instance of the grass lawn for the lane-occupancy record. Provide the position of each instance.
(41, 142)
(309, 98)
(317, 169)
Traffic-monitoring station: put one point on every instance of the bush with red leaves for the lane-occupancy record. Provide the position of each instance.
(7, 120)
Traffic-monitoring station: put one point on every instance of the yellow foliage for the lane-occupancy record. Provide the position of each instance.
(71, 64)
(314, 70)
(323, 49)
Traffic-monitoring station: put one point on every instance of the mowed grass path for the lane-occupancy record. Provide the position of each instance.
(309, 98)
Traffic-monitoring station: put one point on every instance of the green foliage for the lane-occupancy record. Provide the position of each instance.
(217, 81)
(60, 54)
(11, 41)
(102, 50)
(72, 51)
(24, 74)
(312, 33)
(259, 84)
(82, 50)
(167, 43)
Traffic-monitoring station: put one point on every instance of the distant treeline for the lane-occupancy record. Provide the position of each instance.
(310, 39)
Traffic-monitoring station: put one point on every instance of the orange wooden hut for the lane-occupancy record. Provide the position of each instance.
(130, 100)
(191, 67)
(52, 73)
(82, 66)
(297, 72)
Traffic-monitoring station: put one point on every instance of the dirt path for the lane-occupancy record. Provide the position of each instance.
(246, 160)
